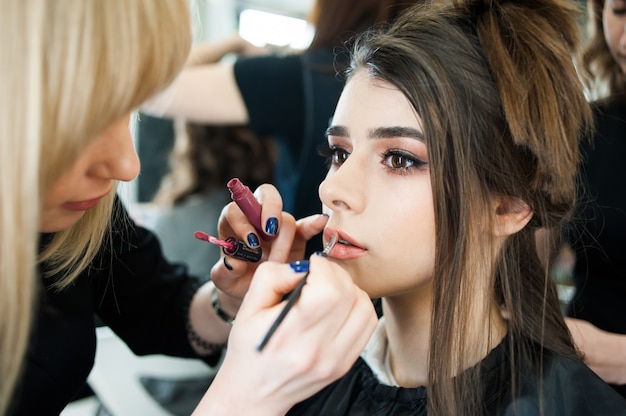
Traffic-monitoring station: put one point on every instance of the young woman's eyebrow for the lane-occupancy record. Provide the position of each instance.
(380, 132)
(339, 131)
(396, 131)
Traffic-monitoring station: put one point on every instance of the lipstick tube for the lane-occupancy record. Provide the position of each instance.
(241, 251)
(245, 200)
(232, 247)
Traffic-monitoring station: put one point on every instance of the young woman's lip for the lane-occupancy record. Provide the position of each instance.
(82, 205)
(346, 247)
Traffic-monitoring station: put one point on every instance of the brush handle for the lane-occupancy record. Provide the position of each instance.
(291, 300)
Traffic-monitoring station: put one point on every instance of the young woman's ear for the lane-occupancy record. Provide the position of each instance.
(512, 214)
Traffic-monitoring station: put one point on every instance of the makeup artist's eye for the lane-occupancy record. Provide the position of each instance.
(335, 155)
(618, 7)
(399, 160)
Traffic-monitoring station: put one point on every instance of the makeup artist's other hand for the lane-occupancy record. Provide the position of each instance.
(318, 341)
(232, 276)
(604, 352)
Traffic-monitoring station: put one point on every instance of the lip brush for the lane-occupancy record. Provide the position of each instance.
(293, 297)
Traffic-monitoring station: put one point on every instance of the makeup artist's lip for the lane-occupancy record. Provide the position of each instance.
(83, 205)
(346, 248)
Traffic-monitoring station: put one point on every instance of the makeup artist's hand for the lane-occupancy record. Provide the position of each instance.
(317, 343)
(232, 276)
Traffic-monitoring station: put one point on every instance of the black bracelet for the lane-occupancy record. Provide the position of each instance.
(207, 347)
(193, 337)
(218, 309)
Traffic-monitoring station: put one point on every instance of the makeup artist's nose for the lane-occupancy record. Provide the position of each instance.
(343, 189)
(116, 158)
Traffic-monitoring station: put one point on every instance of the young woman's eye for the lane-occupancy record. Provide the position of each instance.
(399, 160)
(335, 155)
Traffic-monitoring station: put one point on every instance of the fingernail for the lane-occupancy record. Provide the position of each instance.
(300, 266)
(228, 266)
(271, 226)
(320, 253)
(323, 214)
(253, 240)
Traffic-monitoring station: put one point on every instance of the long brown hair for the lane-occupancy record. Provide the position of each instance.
(205, 157)
(600, 72)
(337, 21)
(502, 111)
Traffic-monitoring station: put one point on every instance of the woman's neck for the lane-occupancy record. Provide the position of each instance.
(407, 323)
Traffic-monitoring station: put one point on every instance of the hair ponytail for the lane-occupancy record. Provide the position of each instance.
(526, 43)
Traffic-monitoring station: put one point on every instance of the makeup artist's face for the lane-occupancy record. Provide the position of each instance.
(110, 156)
(377, 190)
(614, 22)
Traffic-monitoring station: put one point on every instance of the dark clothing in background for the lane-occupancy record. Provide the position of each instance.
(568, 386)
(155, 140)
(292, 98)
(134, 291)
(600, 240)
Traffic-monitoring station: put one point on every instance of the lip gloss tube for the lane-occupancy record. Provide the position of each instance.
(232, 247)
(245, 200)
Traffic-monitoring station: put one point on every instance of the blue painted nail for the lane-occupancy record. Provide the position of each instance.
(253, 240)
(320, 253)
(300, 266)
(271, 226)
(228, 266)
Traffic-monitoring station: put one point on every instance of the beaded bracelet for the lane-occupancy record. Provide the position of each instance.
(224, 316)
(193, 337)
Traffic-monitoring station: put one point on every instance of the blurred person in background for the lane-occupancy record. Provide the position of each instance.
(288, 96)
(598, 233)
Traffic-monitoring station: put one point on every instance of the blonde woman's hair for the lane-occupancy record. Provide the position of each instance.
(69, 69)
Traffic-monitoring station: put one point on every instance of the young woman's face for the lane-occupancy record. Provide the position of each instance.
(108, 157)
(614, 22)
(377, 190)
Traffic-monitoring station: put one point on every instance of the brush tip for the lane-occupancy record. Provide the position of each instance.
(201, 236)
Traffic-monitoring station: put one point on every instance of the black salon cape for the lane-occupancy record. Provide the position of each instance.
(598, 232)
(569, 388)
(134, 291)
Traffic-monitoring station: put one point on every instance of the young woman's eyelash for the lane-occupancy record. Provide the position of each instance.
(324, 149)
(331, 153)
(405, 160)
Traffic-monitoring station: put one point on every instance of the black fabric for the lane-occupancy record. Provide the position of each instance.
(155, 141)
(131, 289)
(599, 231)
(568, 388)
(292, 98)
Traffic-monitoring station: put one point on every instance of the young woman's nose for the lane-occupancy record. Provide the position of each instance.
(344, 188)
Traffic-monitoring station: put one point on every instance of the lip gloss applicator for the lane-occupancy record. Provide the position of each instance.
(245, 200)
(232, 247)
